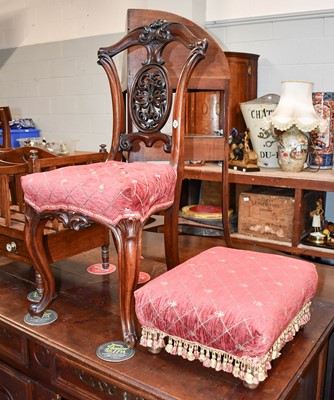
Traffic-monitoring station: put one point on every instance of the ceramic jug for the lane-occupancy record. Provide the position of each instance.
(264, 140)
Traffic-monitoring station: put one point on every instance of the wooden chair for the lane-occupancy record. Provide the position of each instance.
(20, 161)
(125, 191)
(5, 118)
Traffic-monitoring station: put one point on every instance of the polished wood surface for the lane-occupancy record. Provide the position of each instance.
(61, 356)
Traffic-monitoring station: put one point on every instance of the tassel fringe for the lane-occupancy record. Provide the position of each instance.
(249, 369)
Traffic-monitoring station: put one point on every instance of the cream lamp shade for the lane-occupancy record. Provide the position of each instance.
(295, 107)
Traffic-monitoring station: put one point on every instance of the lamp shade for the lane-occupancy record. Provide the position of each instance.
(296, 108)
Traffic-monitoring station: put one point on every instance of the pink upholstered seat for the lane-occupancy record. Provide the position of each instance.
(231, 309)
(106, 192)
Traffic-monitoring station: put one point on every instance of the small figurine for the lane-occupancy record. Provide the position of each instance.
(317, 215)
(241, 156)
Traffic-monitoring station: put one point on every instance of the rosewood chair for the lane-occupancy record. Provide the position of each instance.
(144, 170)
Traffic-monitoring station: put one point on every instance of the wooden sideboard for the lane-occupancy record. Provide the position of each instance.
(59, 361)
(321, 180)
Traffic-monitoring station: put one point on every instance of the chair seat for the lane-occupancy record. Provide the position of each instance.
(232, 309)
(107, 191)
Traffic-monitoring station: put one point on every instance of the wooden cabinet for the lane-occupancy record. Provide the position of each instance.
(243, 85)
(205, 107)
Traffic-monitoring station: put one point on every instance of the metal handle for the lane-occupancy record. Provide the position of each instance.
(11, 247)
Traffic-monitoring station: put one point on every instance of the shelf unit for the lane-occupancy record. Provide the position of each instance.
(321, 180)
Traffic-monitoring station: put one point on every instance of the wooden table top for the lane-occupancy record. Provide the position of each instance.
(88, 316)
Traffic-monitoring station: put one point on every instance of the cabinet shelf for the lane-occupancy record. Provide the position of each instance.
(321, 180)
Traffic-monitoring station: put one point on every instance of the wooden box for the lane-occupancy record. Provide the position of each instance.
(268, 213)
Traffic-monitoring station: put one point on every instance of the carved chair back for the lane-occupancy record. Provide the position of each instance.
(152, 100)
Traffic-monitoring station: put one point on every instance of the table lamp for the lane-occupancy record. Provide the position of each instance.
(292, 119)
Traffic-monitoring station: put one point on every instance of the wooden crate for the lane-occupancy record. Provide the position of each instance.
(268, 213)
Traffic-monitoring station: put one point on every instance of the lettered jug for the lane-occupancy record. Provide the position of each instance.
(263, 139)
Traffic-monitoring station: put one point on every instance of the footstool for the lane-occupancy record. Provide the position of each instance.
(233, 310)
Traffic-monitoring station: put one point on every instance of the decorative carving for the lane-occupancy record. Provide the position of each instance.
(73, 220)
(127, 140)
(156, 35)
(95, 383)
(151, 98)
(42, 356)
(104, 387)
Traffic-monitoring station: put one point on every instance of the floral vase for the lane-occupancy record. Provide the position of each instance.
(293, 147)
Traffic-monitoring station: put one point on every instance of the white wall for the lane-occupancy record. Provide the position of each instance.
(292, 48)
(26, 22)
(229, 9)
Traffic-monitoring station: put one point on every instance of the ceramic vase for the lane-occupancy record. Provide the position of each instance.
(263, 139)
(293, 147)
(321, 146)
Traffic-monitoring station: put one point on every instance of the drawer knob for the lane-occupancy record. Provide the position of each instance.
(11, 247)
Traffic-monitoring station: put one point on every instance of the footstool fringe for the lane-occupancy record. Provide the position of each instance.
(250, 369)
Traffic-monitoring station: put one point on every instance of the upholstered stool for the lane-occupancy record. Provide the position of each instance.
(233, 310)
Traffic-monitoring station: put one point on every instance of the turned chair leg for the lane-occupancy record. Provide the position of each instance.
(105, 256)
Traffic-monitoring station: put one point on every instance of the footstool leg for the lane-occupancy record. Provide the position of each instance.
(250, 385)
(154, 350)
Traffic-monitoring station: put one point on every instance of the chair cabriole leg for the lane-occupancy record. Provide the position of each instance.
(33, 232)
(128, 235)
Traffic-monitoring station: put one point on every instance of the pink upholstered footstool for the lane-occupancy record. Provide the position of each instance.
(233, 310)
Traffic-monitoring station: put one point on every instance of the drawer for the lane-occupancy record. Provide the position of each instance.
(40, 362)
(14, 385)
(13, 346)
(13, 247)
(81, 382)
(39, 392)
